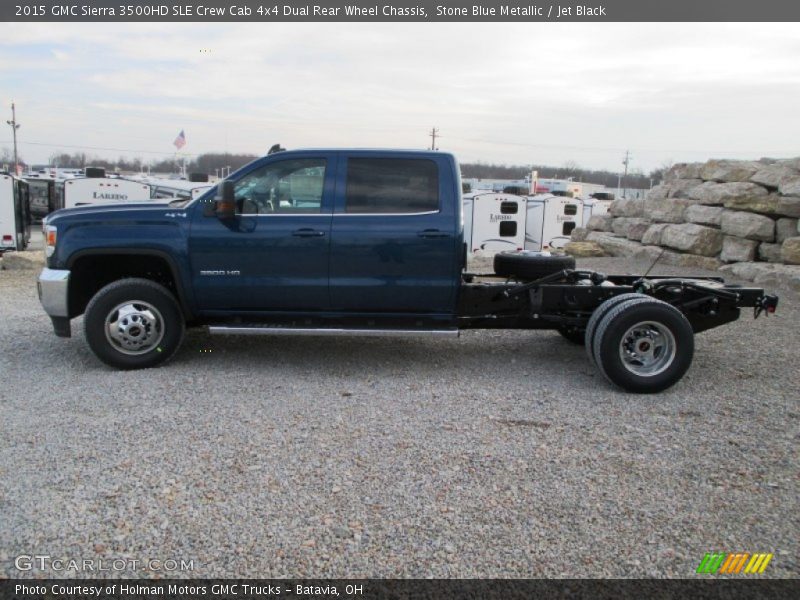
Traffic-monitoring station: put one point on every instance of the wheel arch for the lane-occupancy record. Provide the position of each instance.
(92, 269)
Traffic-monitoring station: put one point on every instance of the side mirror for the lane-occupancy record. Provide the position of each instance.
(225, 201)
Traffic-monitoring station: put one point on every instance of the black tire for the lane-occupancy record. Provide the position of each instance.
(147, 331)
(665, 343)
(598, 314)
(573, 334)
(530, 265)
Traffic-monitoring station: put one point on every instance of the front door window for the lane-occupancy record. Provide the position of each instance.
(289, 187)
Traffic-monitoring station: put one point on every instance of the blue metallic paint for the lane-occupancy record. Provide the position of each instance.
(363, 264)
(273, 269)
(382, 263)
(125, 228)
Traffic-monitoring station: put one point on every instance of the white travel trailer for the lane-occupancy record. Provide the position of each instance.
(15, 220)
(596, 206)
(494, 222)
(42, 193)
(549, 221)
(168, 189)
(96, 188)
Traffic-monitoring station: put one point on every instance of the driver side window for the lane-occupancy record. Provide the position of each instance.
(286, 187)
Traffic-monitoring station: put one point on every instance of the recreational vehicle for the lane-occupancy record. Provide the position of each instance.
(494, 222)
(168, 189)
(549, 221)
(43, 195)
(96, 188)
(597, 204)
(15, 220)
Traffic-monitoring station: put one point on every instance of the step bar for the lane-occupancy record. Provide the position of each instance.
(329, 331)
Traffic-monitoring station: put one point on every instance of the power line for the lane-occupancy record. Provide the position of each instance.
(622, 149)
(434, 135)
(53, 145)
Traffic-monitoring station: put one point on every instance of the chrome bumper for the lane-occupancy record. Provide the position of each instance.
(53, 287)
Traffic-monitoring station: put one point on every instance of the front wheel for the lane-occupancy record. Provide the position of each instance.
(644, 345)
(134, 324)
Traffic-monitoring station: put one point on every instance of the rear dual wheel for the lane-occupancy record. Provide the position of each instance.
(641, 344)
(597, 316)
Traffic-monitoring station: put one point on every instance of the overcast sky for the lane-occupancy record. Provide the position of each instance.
(509, 93)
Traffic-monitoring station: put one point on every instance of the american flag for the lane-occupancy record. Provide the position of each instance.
(180, 141)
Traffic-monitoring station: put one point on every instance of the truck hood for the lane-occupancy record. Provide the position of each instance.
(135, 225)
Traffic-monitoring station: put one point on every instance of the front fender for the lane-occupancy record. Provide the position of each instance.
(167, 241)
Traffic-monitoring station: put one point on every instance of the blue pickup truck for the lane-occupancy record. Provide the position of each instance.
(354, 242)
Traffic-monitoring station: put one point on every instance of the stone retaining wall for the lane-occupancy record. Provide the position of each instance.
(739, 216)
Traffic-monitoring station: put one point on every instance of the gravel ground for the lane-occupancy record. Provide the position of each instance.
(500, 454)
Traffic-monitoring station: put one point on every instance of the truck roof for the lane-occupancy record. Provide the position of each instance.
(377, 152)
(367, 151)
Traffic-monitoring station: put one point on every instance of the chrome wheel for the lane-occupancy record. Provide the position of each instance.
(647, 349)
(134, 327)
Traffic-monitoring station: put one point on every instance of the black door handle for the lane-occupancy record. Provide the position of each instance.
(305, 232)
(433, 233)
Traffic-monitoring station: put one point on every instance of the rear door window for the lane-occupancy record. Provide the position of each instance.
(391, 185)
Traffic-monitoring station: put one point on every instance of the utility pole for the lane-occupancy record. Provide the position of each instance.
(14, 127)
(626, 162)
(434, 132)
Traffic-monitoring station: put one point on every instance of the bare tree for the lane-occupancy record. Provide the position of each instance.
(657, 175)
(7, 157)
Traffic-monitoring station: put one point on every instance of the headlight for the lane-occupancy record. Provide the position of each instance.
(50, 234)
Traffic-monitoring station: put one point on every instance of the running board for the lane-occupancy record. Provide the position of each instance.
(329, 331)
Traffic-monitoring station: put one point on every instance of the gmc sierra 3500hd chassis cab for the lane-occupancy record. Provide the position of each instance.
(355, 242)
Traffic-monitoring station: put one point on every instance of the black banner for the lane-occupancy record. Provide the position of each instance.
(379, 589)
(401, 11)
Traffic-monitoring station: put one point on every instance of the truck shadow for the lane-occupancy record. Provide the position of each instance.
(504, 354)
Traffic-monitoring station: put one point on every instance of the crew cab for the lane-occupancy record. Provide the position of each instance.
(351, 242)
